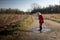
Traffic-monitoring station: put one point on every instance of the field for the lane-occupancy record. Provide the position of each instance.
(10, 18)
(53, 17)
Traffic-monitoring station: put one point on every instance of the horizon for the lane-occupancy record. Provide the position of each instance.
(24, 5)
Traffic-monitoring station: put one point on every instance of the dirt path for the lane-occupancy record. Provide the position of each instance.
(54, 34)
(52, 24)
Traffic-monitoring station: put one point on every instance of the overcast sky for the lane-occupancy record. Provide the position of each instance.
(26, 4)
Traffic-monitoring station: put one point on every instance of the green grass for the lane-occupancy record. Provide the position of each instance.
(25, 22)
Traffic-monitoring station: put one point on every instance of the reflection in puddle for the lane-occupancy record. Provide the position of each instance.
(43, 30)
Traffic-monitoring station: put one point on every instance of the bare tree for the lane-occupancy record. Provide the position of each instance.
(35, 6)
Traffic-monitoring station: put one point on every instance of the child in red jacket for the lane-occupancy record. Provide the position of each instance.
(41, 21)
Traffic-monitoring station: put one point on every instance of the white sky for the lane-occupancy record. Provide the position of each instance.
(26, 4)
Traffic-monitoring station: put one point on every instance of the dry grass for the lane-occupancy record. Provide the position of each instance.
(6, 19)
(10, 20)
(54, 17)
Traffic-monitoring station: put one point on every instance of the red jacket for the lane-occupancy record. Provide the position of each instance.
(41, 19)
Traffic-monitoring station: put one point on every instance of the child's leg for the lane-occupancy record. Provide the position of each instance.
(40, 26)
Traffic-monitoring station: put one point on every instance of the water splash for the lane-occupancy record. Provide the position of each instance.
(43, 30)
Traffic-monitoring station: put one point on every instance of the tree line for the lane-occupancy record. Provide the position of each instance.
(9, 10)
(51, 9)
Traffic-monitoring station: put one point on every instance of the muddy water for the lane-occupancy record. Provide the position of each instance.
(43, 30)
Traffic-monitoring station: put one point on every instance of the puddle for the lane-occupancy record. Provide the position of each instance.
(43, 30)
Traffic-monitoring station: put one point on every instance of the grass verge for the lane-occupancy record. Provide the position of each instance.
(53, 19)
(26, 22)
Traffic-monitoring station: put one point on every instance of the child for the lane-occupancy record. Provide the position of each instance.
(41, 21)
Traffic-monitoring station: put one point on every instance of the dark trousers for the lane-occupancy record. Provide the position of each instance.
(41, 26)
